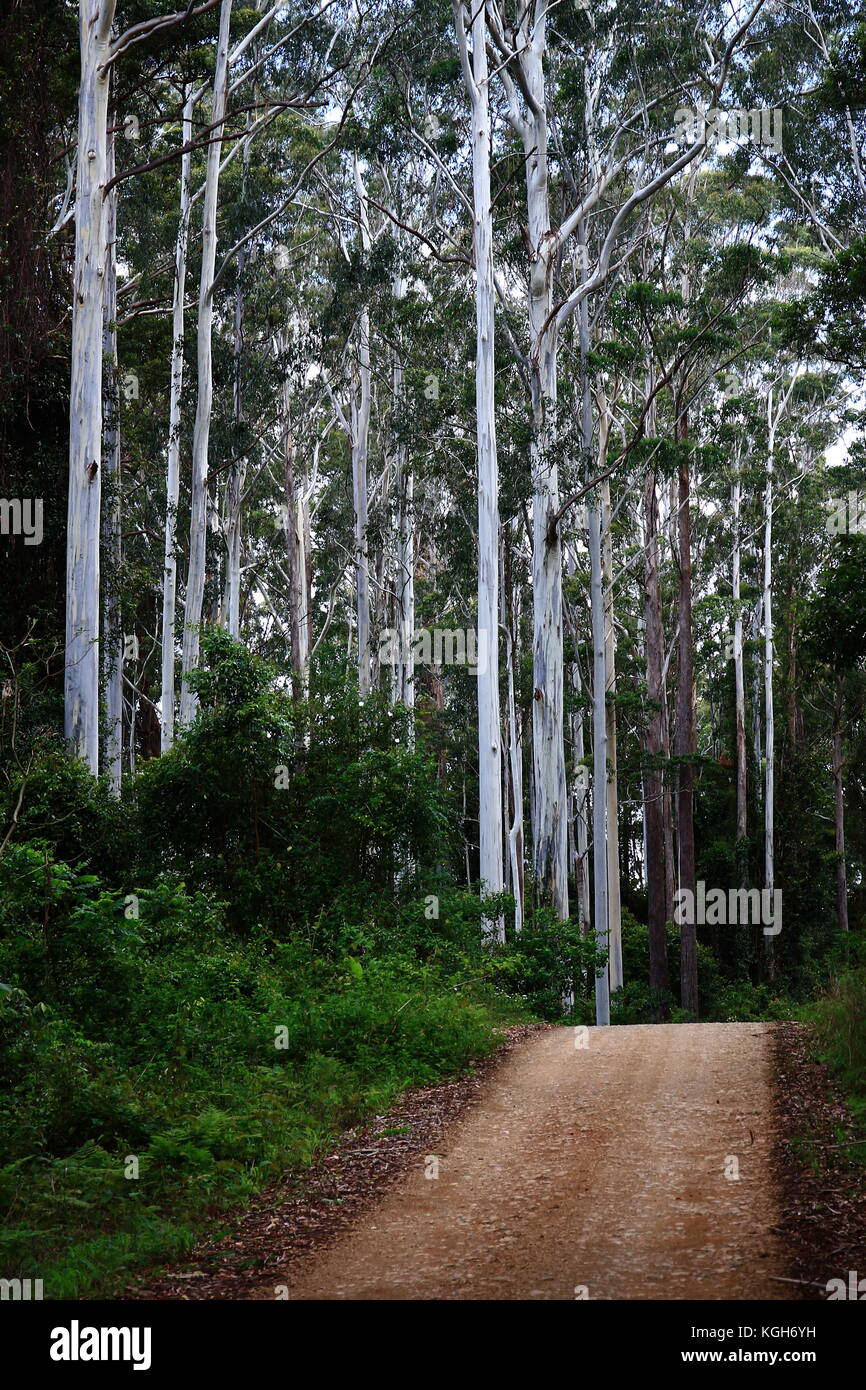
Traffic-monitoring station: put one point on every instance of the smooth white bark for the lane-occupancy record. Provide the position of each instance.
(234, 497)
(81, 675)
(551, 793)
(599, 760)
(515, 832)
(490, 834)
(296, 526)
(403, 680)
(204, 405)
(600, 856)
(169, 585)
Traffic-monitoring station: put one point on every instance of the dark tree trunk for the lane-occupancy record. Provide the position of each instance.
(659, 974)
(685, 731)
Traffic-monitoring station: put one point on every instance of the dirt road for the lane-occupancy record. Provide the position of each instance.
(605, 1171)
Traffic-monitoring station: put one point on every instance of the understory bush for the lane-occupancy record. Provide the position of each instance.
(158, 1069)
(840, 1020)
(259, 943)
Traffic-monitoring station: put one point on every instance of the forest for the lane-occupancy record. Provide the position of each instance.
(432, 569)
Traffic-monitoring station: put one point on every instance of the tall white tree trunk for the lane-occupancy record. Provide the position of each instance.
(600, 859)
(489, 735)
(361, 403)
(515, 833)
(404, 678)
(237, 473)
(490, 823)
(599, 759)
(81, 675)
(548, 741)
(757, 671)
(204, 405)
(296, 568)
(510, 625)
(403, 682)
(111, 520)
(172, 494)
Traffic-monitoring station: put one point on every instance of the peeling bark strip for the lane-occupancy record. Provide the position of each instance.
(81, 680)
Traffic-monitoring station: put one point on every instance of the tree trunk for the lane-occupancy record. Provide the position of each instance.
(169, 586)
(839, 809)
(599, 761)
(403, 684)
(600, 858)
(234, 498)
(111, 521)
(293, 527)
(739, 675)
(489, 734)
(579, 809)
(769, 719)
(81, 673)
(515, 834)
(235, 482)
(757, 664)
(548, 729)
(404, 680)
(581, 818)
(201, 433)
(657, 914)
(614, 905)
(685, 730)
(361, 402)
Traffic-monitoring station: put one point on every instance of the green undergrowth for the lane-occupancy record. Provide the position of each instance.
(839, 1020)
(156, 1072)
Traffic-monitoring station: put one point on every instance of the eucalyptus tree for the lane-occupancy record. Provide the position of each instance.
(100, 51)
(619, 139)
(195, 579)
(476, 76)
(169, 588)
